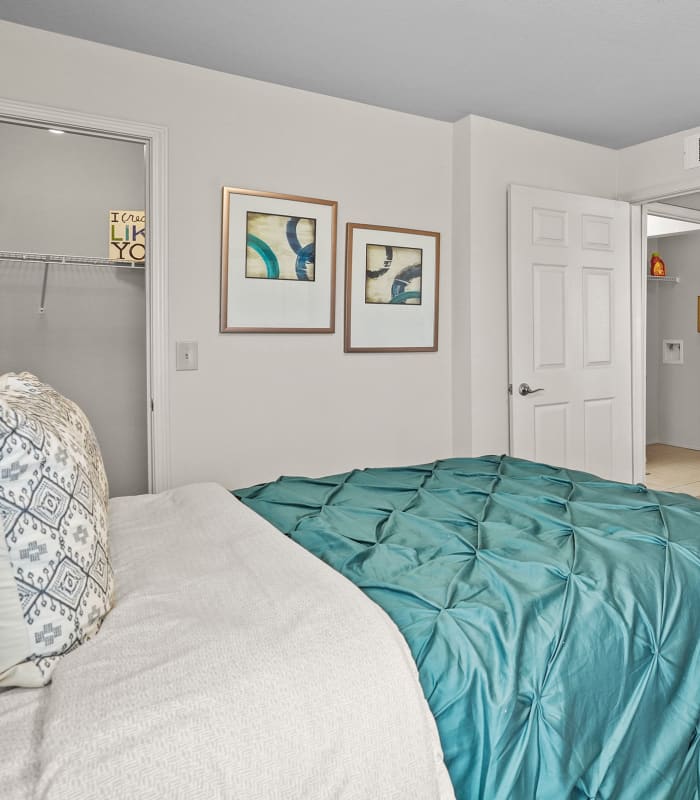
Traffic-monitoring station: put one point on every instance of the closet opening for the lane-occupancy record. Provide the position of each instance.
(673, 344)
(73, 281)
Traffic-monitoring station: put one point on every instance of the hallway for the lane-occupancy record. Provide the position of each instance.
(673, 469)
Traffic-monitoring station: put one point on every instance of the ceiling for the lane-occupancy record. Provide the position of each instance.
(610, 73)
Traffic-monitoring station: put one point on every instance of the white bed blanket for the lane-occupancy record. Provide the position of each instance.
(234, 665)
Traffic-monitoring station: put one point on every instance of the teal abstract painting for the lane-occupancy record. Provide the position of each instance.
(280, 247)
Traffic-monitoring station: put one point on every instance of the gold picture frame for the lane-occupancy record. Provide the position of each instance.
(277, 263)
(392, 283)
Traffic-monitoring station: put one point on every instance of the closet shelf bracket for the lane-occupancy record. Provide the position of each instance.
(42, 302)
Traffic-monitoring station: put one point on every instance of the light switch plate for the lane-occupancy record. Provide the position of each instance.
(672, 351)
(186, 355)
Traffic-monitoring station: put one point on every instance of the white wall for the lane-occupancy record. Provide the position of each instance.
(90, 343)
(261, 405)
(230, 419)
(654, 169)
(502, 154)
(678, 386)
(461, 329)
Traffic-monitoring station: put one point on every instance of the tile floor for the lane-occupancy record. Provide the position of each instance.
(673, 469)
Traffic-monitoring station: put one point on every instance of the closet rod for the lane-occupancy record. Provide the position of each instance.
(50, 258)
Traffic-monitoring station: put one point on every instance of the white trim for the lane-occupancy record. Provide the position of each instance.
(155, 139)
(663, 227)
(654, 194)
(673, 212)
(646, 201)
(638, 288)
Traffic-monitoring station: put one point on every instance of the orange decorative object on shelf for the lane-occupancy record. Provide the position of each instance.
(658, 268)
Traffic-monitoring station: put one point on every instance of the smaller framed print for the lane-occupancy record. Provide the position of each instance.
(391, 289)
(277, 263)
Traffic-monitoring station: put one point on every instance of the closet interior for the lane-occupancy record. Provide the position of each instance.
(73, 281)
(673, 345)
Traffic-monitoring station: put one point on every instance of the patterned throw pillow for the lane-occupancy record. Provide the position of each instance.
(56, 580)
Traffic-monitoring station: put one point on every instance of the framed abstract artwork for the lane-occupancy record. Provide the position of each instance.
(277, 263)
(391, 289)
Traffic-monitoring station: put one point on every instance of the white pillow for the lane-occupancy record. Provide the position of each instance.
(56, 579)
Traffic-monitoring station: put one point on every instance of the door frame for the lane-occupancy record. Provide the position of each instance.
(155, 140)
(640, 203)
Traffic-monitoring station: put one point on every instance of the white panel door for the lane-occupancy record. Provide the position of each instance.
(570, 307)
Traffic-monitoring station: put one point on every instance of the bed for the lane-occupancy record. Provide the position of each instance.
(553, 616)
(177, 646)
(475, 628)
(233, 665)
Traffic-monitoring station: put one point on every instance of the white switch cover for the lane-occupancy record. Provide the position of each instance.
(185, 355)
(672, 351)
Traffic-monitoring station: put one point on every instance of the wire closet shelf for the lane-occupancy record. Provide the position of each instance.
(52, 259)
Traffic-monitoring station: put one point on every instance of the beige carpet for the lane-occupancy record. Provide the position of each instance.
(673, 469)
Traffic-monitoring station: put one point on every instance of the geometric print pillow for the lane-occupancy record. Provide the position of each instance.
(56, 580)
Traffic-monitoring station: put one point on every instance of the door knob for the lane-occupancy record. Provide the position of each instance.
(525, 390)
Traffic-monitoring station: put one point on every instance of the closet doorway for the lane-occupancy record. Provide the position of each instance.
(73, 307)
(673, 345)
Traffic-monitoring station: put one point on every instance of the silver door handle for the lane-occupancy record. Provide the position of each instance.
(524, 390)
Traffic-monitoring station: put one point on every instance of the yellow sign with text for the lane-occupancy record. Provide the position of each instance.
(127, 235)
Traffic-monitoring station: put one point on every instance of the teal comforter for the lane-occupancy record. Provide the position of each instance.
(554, 617)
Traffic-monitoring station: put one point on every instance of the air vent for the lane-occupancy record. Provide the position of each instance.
(691, 151)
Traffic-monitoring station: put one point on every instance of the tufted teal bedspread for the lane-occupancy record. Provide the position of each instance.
(554, 616)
